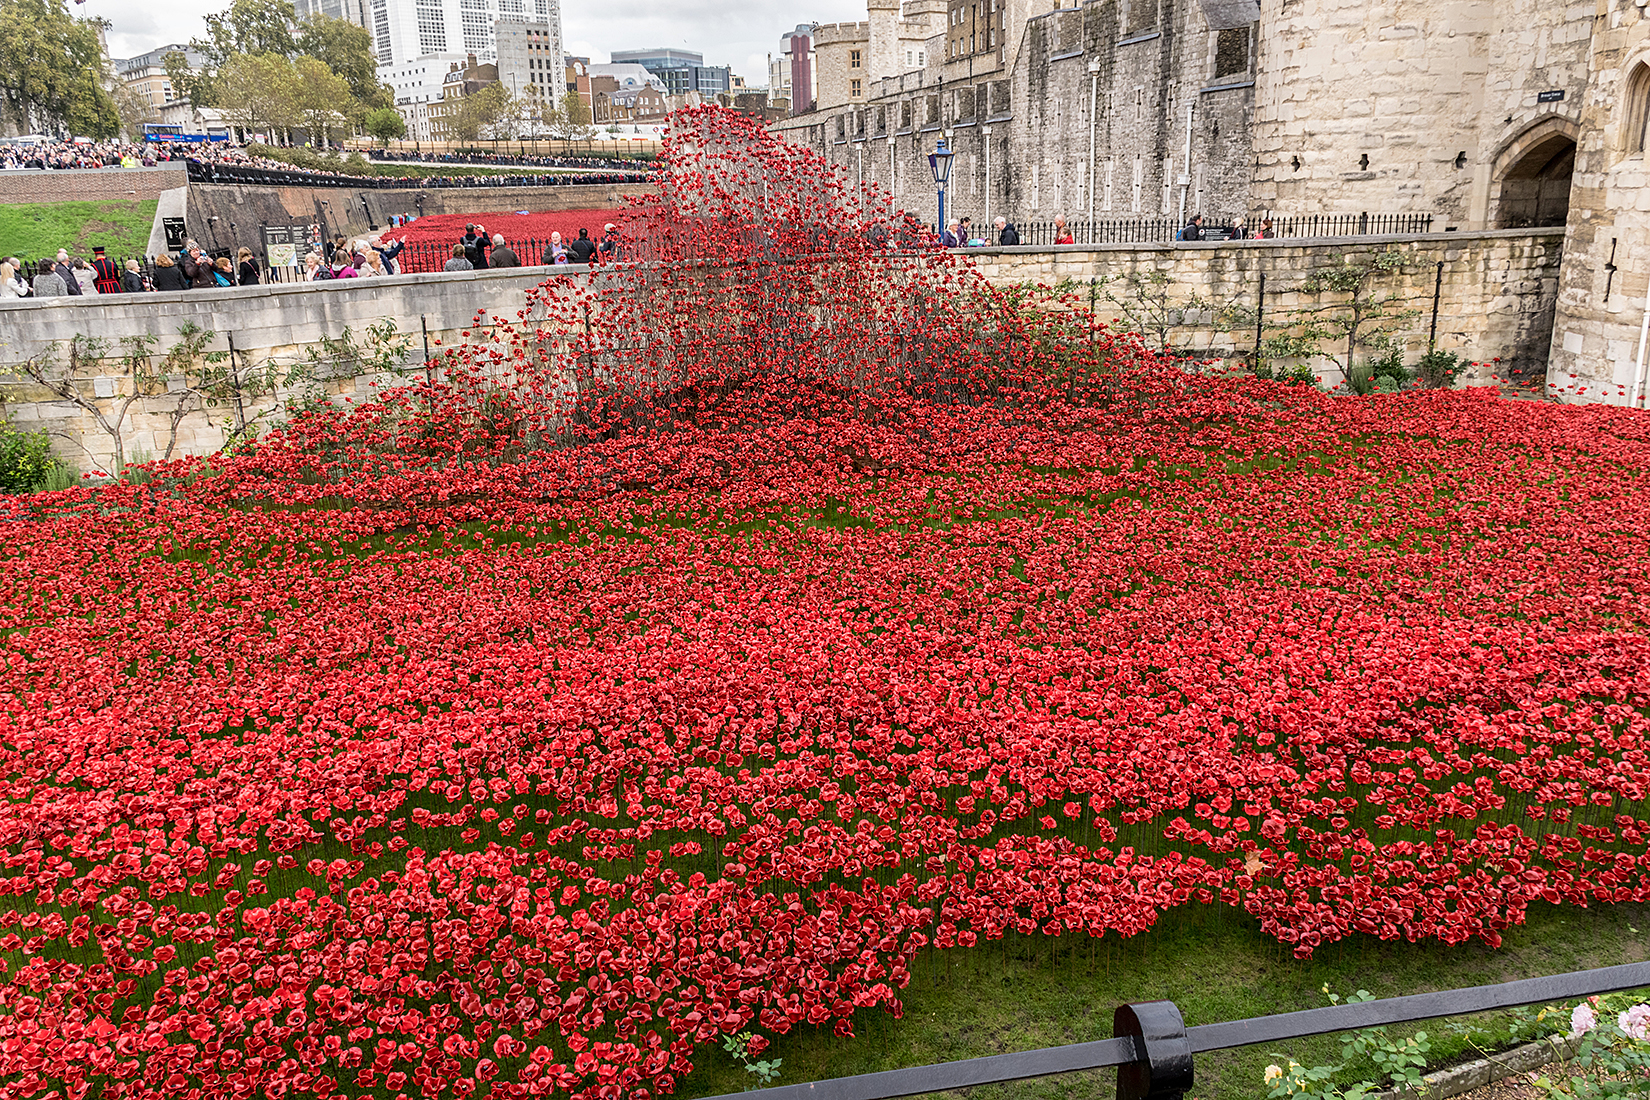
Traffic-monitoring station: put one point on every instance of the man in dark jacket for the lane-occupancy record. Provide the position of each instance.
(475, 246)
(1193, 230)
(503, 254)
(1006, 233)
(63, 270)
(580, 251)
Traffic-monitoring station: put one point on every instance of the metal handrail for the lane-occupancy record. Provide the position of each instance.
(1164, 1079)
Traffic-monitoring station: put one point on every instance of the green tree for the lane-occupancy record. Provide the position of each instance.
(135, 110)
(249, 27)
(260, 92)
(1351, 309)
(467, 117)
(573, 119)
(385, 123)
(347, 50)
(323, 99)
(548, 110)
(52, 71)
(187, 83)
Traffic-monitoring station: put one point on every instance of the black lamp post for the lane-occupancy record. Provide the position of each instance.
(939, 162)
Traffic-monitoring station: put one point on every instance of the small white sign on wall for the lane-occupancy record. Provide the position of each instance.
(103, 386)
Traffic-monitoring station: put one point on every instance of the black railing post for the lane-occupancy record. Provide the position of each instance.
(1260, 318)
(1163, 1066)
(1437, 295)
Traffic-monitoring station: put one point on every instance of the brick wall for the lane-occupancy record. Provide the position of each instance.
(91, 184)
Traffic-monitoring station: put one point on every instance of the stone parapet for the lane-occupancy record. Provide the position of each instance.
(1495, 298)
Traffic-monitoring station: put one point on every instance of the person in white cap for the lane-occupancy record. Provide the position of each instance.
(608, 250)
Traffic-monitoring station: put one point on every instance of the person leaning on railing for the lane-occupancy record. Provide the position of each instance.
(168, 275)
(49, 284)
(132, 281)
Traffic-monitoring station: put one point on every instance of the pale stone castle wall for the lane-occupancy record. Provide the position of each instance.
(1599, 338)
(1482, 114)
(1432, 92)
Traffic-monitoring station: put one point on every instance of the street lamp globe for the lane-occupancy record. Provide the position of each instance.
(939, 162)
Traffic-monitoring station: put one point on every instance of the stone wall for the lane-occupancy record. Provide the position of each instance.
(90, 184)
(267, 324)
(1605, 297)
(1431, 92)
(1312, 107)
(1495, 300)
(1144, 81)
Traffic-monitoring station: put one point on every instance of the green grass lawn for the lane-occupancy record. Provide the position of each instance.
(31, 230)
(1038, 991)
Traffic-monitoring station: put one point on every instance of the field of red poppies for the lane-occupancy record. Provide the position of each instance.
(445, 229)
(523, 731)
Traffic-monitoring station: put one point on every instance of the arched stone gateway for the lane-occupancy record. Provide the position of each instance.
(1533, 175)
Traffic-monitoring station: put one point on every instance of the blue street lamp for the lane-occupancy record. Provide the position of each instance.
(939, 162)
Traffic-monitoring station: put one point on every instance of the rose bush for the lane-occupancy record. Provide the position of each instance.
(683, 654)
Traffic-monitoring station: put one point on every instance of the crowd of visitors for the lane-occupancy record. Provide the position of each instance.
(65, 155)
(378, 255)
(69, 275)
(1233, 231)
(189, 269)
(222, 161)
(527, 160)
(477, 250)
(261, 170)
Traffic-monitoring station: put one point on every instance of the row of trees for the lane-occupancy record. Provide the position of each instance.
(492, 111)
(266, 71)
(269, 72)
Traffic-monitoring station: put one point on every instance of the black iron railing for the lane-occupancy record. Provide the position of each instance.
(1154, 1051)
(1164, 230)
(301, 177)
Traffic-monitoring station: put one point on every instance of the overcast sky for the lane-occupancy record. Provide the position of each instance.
(740, 33)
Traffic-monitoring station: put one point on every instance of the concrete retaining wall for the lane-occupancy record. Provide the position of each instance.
(267, 324)
(346, 210)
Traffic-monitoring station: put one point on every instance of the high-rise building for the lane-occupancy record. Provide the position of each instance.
(418, 42)
(403, 30)
(530, 58)
(353, 11)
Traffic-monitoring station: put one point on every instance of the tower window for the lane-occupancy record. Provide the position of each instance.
(1638, 109)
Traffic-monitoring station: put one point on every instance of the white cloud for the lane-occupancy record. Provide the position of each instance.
(740, 33)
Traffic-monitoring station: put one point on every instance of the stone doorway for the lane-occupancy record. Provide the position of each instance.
(1535, 188)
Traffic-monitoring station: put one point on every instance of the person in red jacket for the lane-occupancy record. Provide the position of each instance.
(105, 271)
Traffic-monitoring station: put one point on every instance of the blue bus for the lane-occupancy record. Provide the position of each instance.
(164, 131)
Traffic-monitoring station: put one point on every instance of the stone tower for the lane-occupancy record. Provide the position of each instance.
(884, 47)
